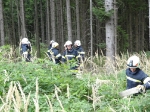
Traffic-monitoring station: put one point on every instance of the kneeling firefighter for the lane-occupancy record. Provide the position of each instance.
(135, 76)
(55, 55)
(69, 55)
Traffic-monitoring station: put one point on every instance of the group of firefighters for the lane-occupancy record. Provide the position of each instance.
(71, 52)
(135, 76)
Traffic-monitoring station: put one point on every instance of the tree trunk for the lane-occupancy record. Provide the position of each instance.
(136, 32)
(37, 30)
(149, 22)
(91, 28)
(115, 26)
(142, 30)
(130, 31)
(62, 25)
(110, 36)
(42, 23)
(13, 26)
(1, 24)
(52, 4)
(18, 17)
(78, 21)
(23, 31)
(47, 23)
(69, 25)
(83, 24)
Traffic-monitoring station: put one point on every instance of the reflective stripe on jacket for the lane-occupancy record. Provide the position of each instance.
(137, 78)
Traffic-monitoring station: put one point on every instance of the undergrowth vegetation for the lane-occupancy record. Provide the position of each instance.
(42, 86)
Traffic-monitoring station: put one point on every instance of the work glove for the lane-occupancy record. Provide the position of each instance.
(141, 88)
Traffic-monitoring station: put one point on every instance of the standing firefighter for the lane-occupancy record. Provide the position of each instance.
(26, 49)
(70, 54)
(135, 76)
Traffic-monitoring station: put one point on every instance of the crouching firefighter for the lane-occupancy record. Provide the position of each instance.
(70, 56)
(26, 49)
(54, 53)
(135, 76)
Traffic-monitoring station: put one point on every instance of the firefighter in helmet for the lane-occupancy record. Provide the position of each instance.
(69, 54)
(135, 76)
(54, 53)
(79, 49)
(26, 49)
(50, 47)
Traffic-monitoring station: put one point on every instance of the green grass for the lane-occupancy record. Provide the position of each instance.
(43, 86)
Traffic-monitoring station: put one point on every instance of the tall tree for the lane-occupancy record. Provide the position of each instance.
(59, 24)
(83, 23)
(37, 30)
(18, 17)
(47, 22)
(62, 25)
(69, 25)
(115, 26)
(53, 26)
(78, 21)
(91, 27)
(13, 35)
(1, 24)
(23, 31)
(42, 22)
(149, 21)
(110, 33)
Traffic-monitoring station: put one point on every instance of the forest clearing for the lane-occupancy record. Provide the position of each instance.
(43, 86)
(110, 31)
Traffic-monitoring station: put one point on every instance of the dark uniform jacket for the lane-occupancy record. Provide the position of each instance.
(69, 55)
(49, 48)
(137, 78)
(26, 48)
(80, 52)
(56, 55)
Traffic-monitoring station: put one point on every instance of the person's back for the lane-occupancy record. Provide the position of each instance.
(26, 49)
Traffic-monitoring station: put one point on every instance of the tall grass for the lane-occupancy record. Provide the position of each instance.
(42, 86)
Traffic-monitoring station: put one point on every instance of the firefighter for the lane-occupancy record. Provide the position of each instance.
(54, 53)
(69, 54)
(135, 76)
(26, 49)
(50, 47)
(79, 49)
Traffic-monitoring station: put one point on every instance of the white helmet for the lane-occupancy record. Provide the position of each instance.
(25, 41)
(133, 62)
(54, 44)
(77, 42)
(52, 41)
(68, 43)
